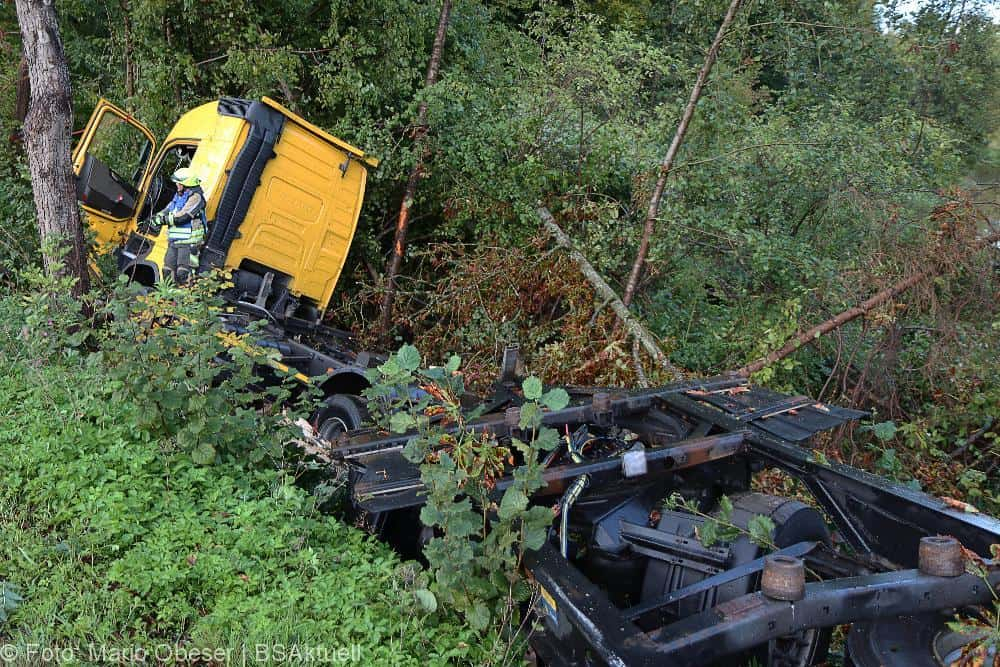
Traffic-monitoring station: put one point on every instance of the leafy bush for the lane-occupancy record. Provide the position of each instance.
(18, 233)
(133, 514)
(481, 534)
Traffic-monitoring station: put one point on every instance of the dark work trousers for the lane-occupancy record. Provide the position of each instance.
(177, 262)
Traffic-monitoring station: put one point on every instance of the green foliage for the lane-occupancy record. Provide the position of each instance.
(118, 530)
(826, 134)
(481, 535)
(884, 430)
(19, 245)
(142, 499)
(983, 628)
(950, 55)
(719, 527)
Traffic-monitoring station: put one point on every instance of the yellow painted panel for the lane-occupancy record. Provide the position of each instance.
(340, 143)
(303, 217)
(219, 139)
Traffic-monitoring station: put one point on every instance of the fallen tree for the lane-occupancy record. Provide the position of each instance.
(601, 287)
(811, 334)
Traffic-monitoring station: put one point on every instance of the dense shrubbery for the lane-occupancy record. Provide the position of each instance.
(118, 529)
(828, 140)
(19, 233)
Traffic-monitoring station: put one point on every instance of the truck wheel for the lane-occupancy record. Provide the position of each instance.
(340, 413)
(913, 641)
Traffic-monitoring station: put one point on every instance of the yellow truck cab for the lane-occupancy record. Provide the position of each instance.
(283, 197)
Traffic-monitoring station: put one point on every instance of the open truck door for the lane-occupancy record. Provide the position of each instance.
(111, 162)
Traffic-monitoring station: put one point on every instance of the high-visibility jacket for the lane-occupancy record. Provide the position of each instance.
(186, 217)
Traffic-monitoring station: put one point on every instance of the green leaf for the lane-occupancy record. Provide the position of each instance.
(514, 501)
(390, 368)
(408, 358)
(454, 361)
(521, 591)
(478, 616)
(462, 521)
(532, 387)
(426, 599)
(725, 508)
(535, 526)
(401, 422)
(761, 530)
(203, 454)
(415, 450)
(196, 425)
(531, 416)
(431, 516)
(547, 439)
(555, 399)
(708, 533)
(884, 430)
(674, 501)
(435, 374)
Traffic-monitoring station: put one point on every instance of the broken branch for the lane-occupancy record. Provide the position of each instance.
(852, 313)
(605, 292)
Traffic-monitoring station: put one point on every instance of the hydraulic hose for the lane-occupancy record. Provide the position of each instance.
(576, 488)
(572, 493)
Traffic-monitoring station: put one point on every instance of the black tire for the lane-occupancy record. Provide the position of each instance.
(340, 413)
(907, 641)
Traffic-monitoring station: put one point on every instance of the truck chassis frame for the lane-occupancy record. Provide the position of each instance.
(710, 435)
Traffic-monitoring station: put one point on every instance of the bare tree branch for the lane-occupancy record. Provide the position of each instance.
(605, 292)
(403, 222)
(668, 161)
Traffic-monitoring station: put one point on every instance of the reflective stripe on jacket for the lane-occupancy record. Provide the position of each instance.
(187, 217)
(191, 233)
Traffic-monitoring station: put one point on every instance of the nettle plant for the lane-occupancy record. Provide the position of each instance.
(480, 533)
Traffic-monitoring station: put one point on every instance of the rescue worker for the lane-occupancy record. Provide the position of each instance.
(185, 220)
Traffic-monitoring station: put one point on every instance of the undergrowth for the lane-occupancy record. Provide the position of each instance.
(144, 501)
(924, 365)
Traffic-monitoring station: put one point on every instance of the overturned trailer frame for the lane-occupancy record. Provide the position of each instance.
(633, 585)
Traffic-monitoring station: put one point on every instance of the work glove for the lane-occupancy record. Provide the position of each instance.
(154, 224)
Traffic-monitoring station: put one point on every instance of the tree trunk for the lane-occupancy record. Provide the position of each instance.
(420, 140)
(48, 130)
(604, 290)
(128, 50)
(668, 162)
(853, 313)
(23, 94)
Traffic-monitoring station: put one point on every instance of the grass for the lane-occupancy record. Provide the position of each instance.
(116, 541)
